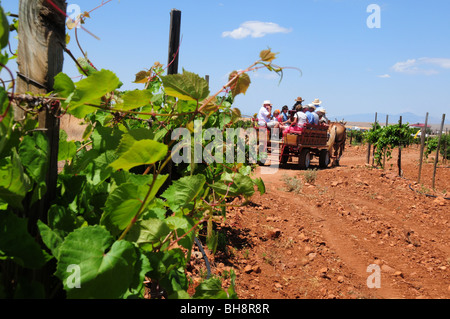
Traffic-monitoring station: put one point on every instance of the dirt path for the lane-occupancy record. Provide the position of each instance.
(318, 242)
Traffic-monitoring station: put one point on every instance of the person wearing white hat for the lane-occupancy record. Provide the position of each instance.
(313, 118)
(264, 116)
(322, 118)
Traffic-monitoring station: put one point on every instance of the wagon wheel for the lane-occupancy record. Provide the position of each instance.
(304, 159)
(324, 159)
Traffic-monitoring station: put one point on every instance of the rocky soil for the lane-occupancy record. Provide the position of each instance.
(345, 232)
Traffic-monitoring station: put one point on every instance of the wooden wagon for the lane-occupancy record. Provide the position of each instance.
(312, 141)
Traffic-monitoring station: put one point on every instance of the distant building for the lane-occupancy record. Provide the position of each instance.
(419, 125)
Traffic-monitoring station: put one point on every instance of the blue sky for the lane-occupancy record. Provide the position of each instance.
(402, 66)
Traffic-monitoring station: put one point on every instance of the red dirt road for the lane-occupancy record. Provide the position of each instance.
(332, 237)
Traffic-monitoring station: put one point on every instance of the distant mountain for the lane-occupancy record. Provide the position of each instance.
(408, 117)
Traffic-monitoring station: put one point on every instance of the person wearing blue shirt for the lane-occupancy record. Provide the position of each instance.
(309, 114)
(285, 116)
(316, 103)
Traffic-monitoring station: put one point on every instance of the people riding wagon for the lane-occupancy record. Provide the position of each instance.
(305, 132)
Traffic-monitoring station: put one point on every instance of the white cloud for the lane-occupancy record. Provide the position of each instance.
(422, 66)
(440, 62)
(384, 76)
(255, 29)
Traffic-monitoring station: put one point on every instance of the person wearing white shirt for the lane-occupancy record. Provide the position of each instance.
(300, 119)
(264, 116)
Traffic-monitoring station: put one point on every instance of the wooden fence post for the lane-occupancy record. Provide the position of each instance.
(437, 151)
(445, 146)
(399, 162)
(422, 147)
(374, 147)
(174, 53)
(384, 154)
(369, 146)
(174, 41)
(40, 58)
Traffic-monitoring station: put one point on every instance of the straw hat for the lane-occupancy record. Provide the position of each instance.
(321, 110)
(299, 99)
(317, 102)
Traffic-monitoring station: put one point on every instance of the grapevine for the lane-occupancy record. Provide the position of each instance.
(121, 219)
(432, 145)
(385, 139)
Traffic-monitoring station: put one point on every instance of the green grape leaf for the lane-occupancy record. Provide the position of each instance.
(135, 99)
(100, 168)
(14, 183)
(64, 85)
(105, 268)
(4, 29)
(210, 289)
(106, 138)
(142, 267)
(240, 84)
(168, 268)
(233, 185)
(67, 150)
(90, 90)
(186, 86)
(147, 233)
(17, 244)
(51, 238)
(134, 153)
(33, 152)
(6, 122)
(182, 225)
(124, 202)
(244, 185)
(184, 191)
(260, 184)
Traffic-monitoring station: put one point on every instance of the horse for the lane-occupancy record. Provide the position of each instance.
(336, 142)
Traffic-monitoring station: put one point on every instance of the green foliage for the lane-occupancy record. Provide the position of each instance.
(357, 136)
(117, 218)
(17, 244)
(4, 29)
(186, 86)
(432, 145)
(385, 139)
